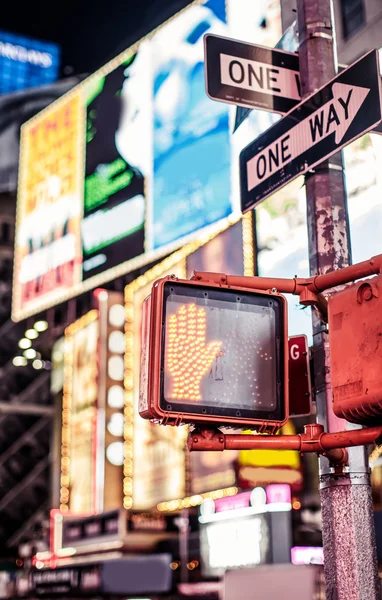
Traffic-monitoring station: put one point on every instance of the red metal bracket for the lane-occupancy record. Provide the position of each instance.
(314, 439)
(309, 289)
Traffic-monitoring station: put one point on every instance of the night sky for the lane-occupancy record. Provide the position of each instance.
(90, 32)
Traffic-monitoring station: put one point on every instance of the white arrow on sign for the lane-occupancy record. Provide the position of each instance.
(259, 77)
(335, 117)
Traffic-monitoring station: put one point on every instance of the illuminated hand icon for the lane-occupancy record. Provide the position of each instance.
(188, 358)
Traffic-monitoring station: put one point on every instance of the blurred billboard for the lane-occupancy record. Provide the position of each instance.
(48, 240)
(92, 408)
(263, 467)
(131, 164)
(16, 109)
(25, 62)
(80, 393)
(125, 168)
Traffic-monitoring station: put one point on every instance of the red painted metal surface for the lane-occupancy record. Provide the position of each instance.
(308, 289)
(355, 320)
(355, 326)
(314, 439)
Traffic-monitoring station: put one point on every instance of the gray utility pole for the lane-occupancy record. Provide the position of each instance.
(347, 516)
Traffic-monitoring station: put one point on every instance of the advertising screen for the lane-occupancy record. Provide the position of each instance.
(235, 543)
(229, 252)
(115, 178)
(257, 467)
(249, 529)
(131, 164)
(156, 468)
(25, 62)
(48, 242)
(191, 149)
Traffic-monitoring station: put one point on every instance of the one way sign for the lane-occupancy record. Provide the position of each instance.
(344, 109)
(252, 76)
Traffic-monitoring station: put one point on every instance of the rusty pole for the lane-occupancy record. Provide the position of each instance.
(347, 518)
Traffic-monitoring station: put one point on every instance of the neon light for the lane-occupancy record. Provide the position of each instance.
(195, 500)
(73, 415)
(278, 493)
(233, 502)
(307, 555)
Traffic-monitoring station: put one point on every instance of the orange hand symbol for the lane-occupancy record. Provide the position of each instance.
(188, 358)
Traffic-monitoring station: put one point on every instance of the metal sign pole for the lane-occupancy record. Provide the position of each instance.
(347, 517)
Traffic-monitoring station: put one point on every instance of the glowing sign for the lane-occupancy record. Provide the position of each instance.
(25, 62)
(236, 544)
(92, 427)
(307, 555)
(275, 498)
(48, 244)
(278, 493)
(79, 416)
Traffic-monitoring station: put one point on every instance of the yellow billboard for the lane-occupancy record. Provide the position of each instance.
(79, 416)
(92, 408)
(49, 209)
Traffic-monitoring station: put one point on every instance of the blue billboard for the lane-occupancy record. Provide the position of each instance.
(26, 63)
(191, 138)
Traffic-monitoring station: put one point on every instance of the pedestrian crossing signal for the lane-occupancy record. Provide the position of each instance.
(213, 354)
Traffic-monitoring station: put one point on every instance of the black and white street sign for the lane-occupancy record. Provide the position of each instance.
(251, 76)
(344, 109)
(288, 42)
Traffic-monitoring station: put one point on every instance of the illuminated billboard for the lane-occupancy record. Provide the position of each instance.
(25, 62)
(48, 242)
(130, 165)
(81, 388)
(110, 456)
(259, 467)
(125, 168)
(92, 408)
(248, 529)
(229, 252)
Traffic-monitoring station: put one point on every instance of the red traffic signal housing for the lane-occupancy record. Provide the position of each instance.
(355, 326)
(214, 354)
